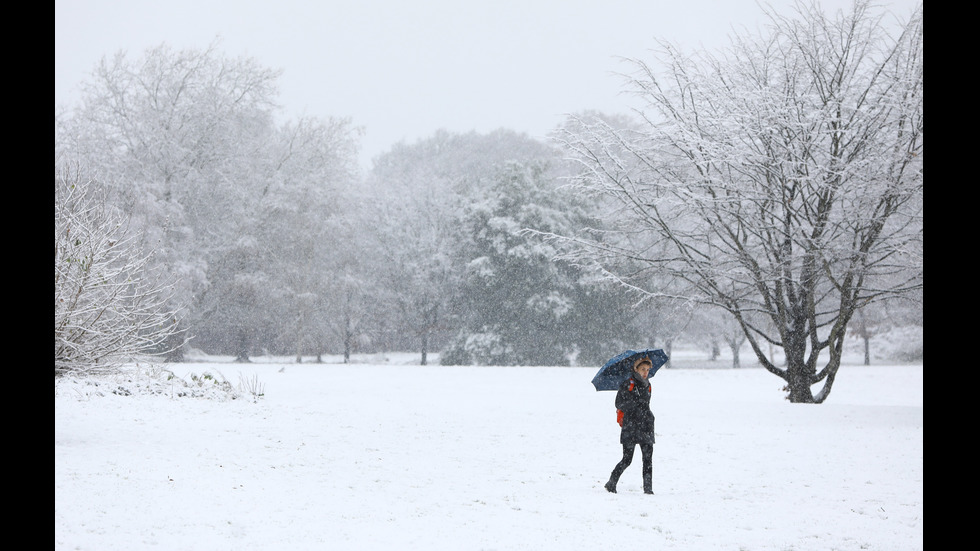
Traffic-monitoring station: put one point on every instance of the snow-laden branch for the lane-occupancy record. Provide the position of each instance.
(107, 310)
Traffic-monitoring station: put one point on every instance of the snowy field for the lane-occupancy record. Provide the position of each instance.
(389, 455)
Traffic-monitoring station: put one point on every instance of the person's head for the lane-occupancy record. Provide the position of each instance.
(643, 366)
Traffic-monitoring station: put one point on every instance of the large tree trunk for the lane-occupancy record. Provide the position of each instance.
(800, 373)
(798, 384)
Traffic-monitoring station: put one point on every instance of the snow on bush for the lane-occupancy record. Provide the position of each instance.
(150, 379)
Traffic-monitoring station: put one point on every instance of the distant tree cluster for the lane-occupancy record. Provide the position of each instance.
(234, 206)
(272, 242)
(464, 275)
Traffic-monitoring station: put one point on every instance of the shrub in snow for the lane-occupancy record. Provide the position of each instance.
(142, 380)
(107, 307)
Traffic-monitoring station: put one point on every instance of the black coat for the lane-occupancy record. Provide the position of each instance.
(633, 399)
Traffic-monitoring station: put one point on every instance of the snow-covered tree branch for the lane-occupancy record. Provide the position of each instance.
(106, 309)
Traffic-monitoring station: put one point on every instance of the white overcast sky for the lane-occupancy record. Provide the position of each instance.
(402, 69)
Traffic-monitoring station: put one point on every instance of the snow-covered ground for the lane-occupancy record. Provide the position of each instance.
(384, 454)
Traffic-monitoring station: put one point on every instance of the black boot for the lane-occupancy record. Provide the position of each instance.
(648, 481)
(619, 468)
(610, 486)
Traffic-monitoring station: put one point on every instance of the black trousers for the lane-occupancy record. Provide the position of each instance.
(647, 451)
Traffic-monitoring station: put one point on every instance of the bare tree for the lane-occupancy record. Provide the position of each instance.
(780, 180)
(106, 309)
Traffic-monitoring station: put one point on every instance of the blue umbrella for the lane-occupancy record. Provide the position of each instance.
(618, 368)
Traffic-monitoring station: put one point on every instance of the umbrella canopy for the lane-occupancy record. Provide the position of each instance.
(618, 368)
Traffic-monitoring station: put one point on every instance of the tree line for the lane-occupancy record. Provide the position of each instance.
(769, 193)
(278, 245)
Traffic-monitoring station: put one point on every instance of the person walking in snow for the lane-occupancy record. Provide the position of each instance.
(633, 399)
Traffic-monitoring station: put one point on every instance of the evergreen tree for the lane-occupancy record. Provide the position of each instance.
(518, 305)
